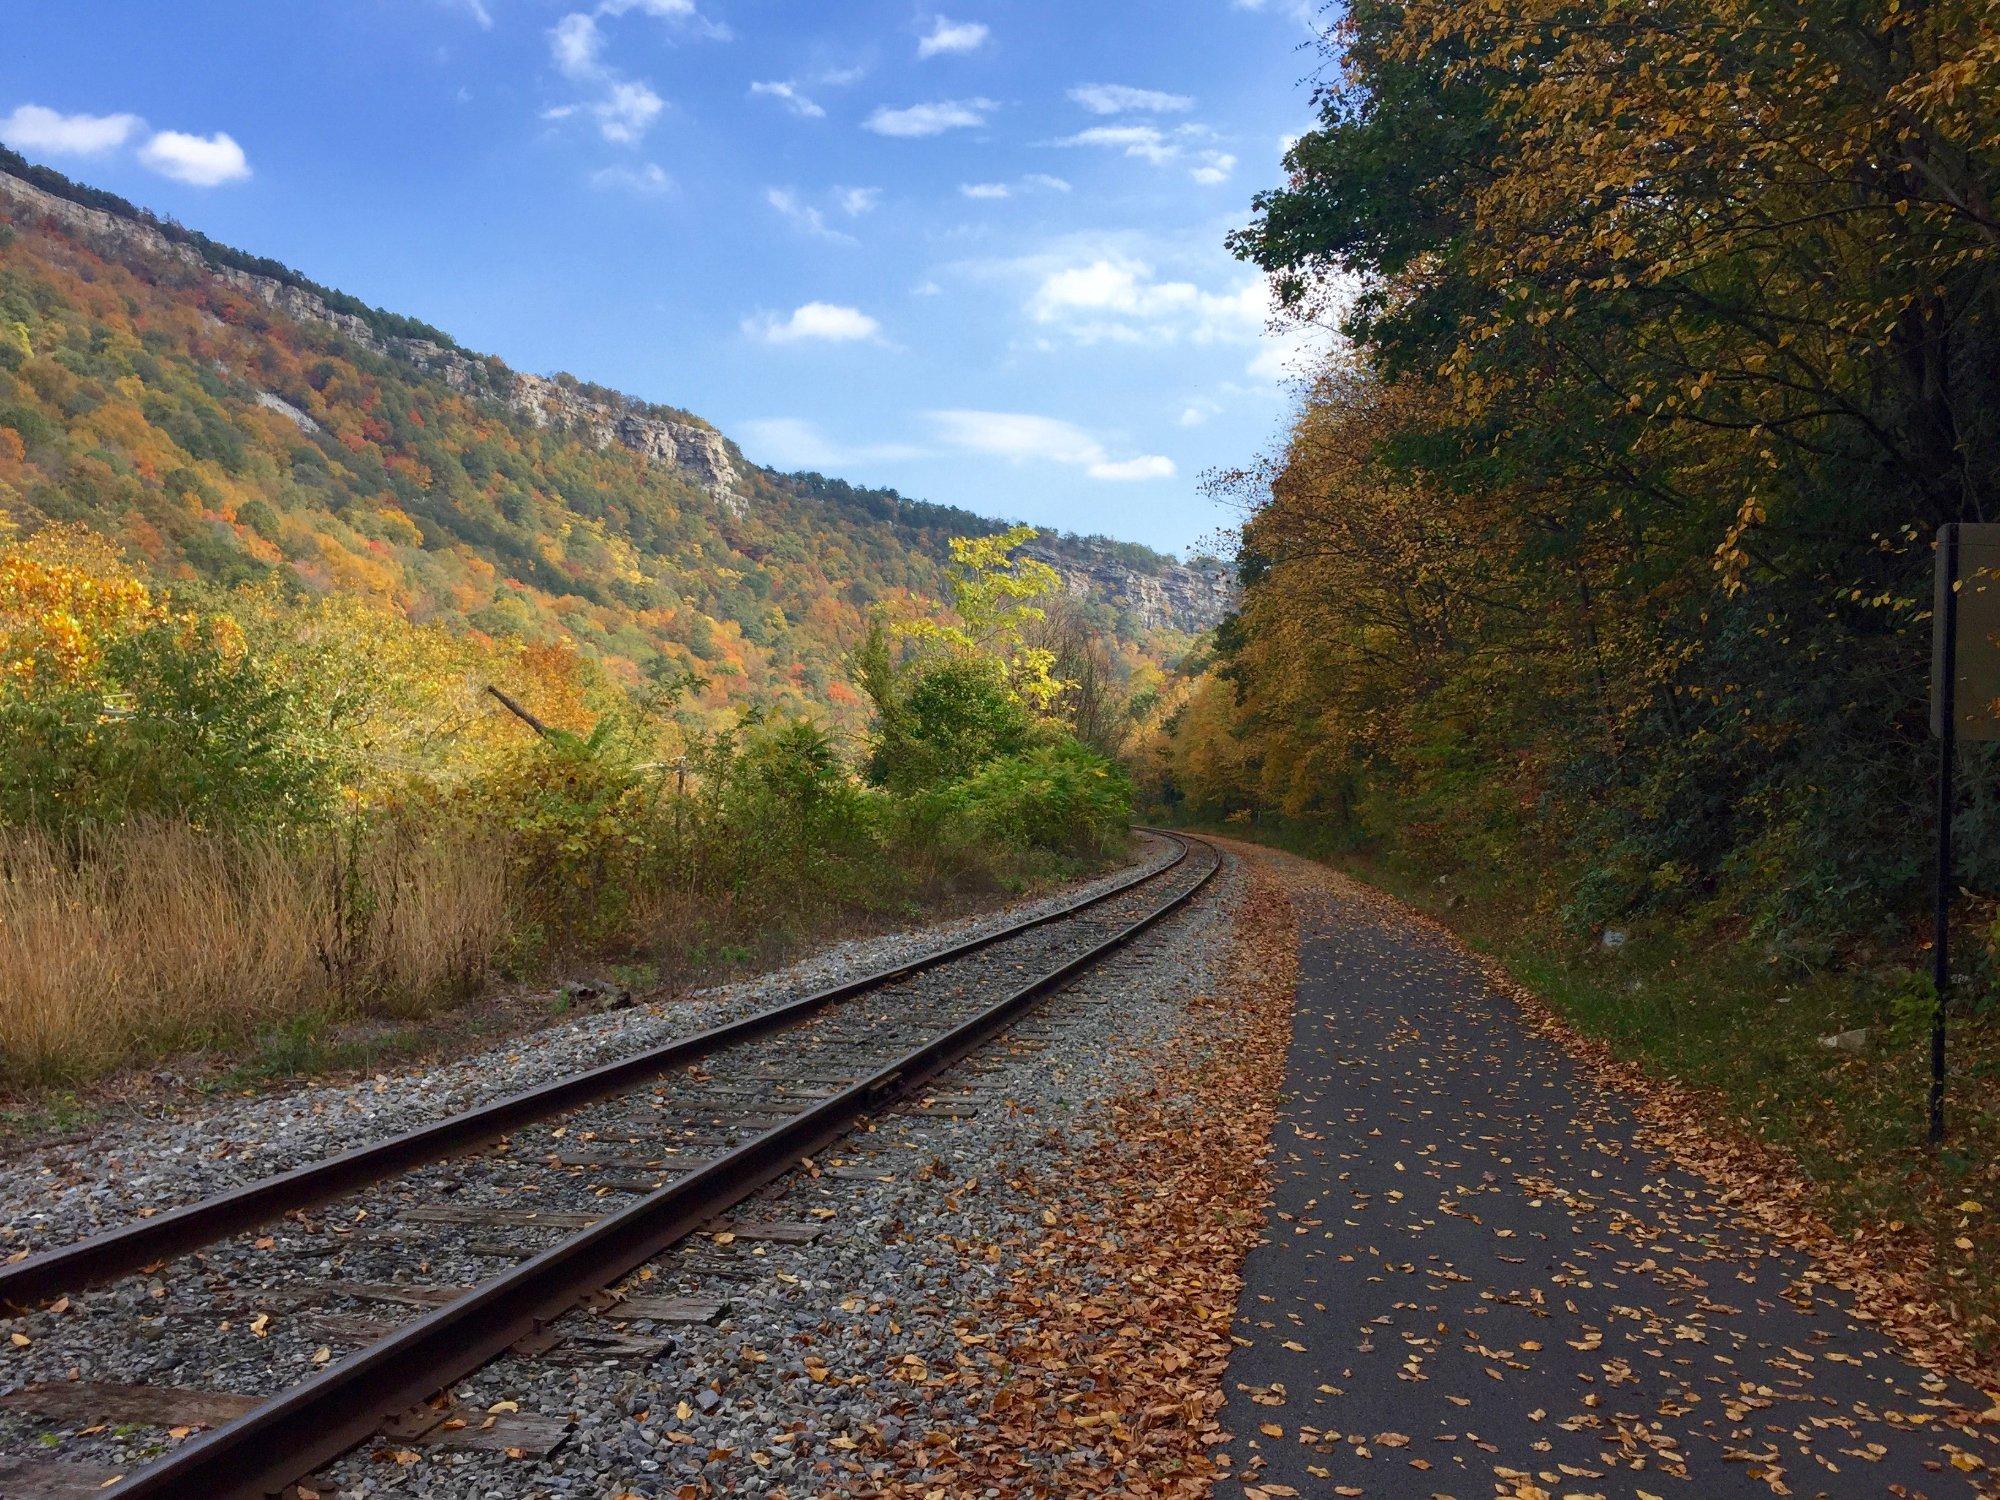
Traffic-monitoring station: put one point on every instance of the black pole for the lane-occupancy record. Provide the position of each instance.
(1947, 746)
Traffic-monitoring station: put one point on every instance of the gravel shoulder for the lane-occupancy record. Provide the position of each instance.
(62, 1192)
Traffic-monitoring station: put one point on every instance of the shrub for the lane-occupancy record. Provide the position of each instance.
(951, 718)
(1061, 797)
(174, 722)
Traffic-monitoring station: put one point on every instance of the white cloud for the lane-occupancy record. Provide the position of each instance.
(930, 119)
(789, 95)
(804, 217)
(839, 78)
(577, 47)
(37, 128)
(681, 11)
(1147, 142)
(476, 9)
(996, 190)
(1215, 167)
(1198, 411)
(1119, 299)
(926, 289)
(824, 322)
(204, 160)
(648, 179)
(1117, 98)
(1304, 12)
(856, 201)
(953, 36)
(1151, 466)
(625, 111)
(794, 443)
(624, 108)
(1162, 148)
(1022, 437)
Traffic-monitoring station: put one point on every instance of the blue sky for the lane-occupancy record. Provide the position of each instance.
(972, 252)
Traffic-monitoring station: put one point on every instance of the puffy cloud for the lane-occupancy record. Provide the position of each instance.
(1150, 466)
(204, 160)
(1150, 143)
(626, 110)
(985, 190)
(824, 322)
(1147, 142)
(1215, 167)
(930, 119)
(647, 179)
(200, 160)
(1118, 299)
(37, 128)
(1118, 99)
(953, 36)
(577, 47)
(803, 216)
(1022, 437)
(856, 201)
(789, 95)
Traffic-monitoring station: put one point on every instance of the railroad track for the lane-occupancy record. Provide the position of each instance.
(369, 1282)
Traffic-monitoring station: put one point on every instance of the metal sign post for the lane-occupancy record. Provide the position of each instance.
(1965, 692)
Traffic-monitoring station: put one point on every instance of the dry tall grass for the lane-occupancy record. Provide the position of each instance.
(156, 936)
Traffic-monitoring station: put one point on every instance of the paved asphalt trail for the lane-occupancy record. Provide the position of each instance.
(1474, 1283)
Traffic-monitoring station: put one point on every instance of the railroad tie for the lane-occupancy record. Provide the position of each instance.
(92, 1401)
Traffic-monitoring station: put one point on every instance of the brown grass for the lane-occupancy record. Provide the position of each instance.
(158, 936)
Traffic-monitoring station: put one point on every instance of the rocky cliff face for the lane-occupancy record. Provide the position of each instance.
(700, 453)
(1179, 596)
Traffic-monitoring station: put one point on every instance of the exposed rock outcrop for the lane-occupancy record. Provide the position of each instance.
(288, 411)
(1190, 597)
(701, 453)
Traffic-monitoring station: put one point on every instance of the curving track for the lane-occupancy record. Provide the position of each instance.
(492, 1223)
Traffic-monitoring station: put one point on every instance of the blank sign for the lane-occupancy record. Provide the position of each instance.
(1973, 589)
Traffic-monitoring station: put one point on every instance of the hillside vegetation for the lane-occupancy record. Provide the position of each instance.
(1590, 593)
(214, 437)
(335, 683)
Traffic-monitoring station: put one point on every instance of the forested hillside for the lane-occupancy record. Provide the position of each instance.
(342, 671)
(1673, 339)
(227, 421)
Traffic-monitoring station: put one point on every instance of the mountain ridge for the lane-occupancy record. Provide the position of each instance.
(1157, 591)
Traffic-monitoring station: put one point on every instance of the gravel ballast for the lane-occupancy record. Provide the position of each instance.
(787, 1382)
(811, 1370)
(64, 1192)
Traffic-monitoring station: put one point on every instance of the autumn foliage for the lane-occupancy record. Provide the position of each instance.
(1670, 338)
(223, 810)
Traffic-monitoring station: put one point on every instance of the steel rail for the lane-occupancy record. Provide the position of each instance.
(111, 1253)
(300, 1429)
